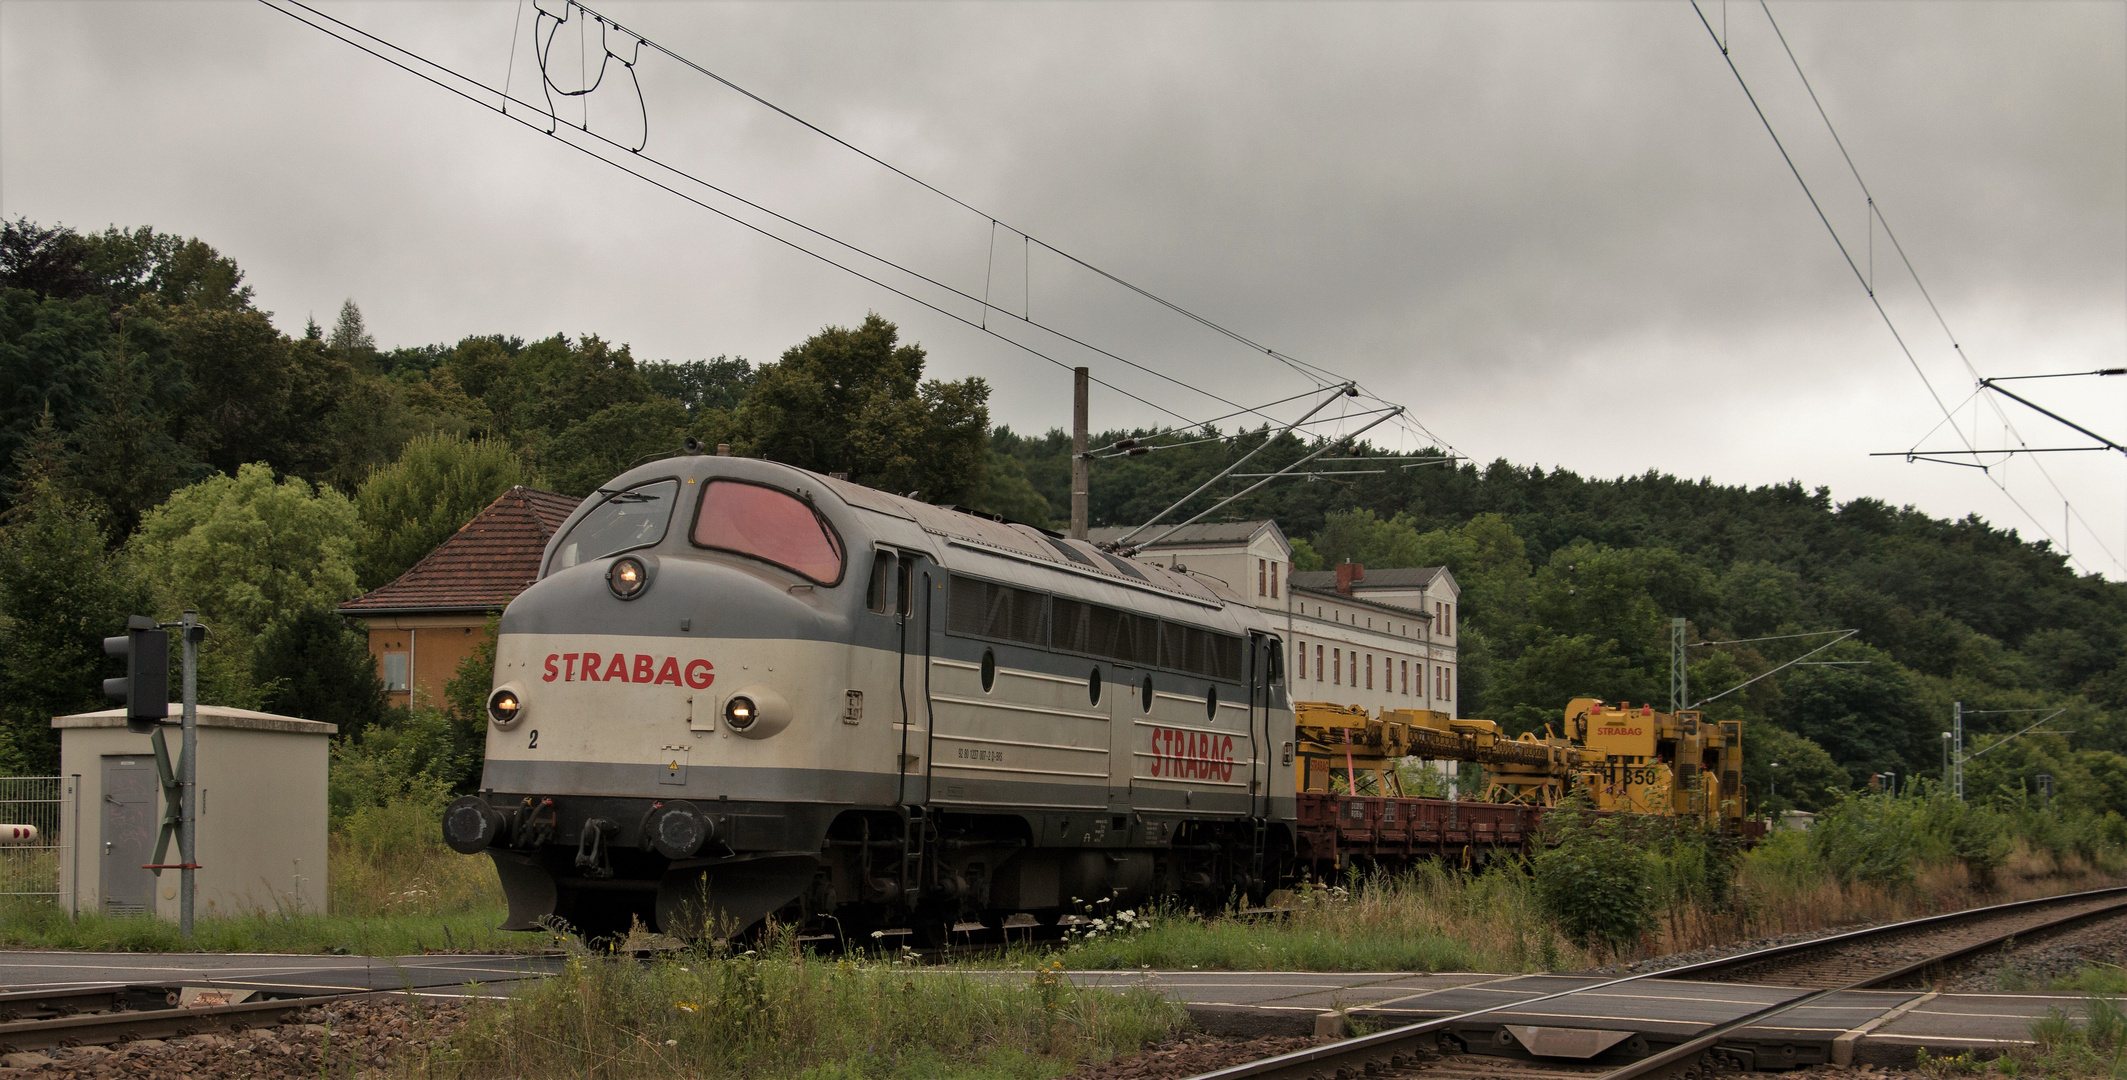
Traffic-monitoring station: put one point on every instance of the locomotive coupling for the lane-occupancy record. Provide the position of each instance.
(471, 826)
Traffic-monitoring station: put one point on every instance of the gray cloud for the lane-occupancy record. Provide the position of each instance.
(1556, 230)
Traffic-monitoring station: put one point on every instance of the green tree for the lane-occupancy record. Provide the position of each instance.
(854, 401)
(551, 385)
(61, 594)
(350, 336)
(313, 664)
(1869, 717)
(702, 385)
(1783, 770)
(417, 502)
(244, 552)
(587, 454)
(1007, 493)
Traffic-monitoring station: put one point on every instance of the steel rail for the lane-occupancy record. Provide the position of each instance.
(29, 1003)
(1887, 930)
(1685, 1051)
(1381, 1047)
(121, 1026)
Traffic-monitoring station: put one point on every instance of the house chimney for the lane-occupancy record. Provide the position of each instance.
(1348, 575)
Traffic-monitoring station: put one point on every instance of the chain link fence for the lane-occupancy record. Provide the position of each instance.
(30, 867)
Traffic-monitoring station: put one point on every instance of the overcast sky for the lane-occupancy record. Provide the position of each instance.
(1557, 232)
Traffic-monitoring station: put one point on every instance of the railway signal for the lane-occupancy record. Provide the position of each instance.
(145, 689)
(146, 692)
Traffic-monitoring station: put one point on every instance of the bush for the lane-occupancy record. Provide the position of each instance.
(1885, 838)
(1596, 880)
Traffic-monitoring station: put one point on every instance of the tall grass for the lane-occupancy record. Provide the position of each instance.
(1429, 918)
(389, 859)
(781, 1012)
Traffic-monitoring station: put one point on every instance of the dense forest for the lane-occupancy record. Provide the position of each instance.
(163, 444)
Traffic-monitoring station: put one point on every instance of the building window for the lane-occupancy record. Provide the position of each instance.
(1318, 663)
(395, 672)
(1273, 581)
(1406, 678)
(1369, 671)
(1449, 675)
(1302, 653)
(1336, 660)
(1262, 577)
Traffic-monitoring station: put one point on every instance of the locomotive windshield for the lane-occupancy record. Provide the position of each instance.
(627, 519)
(770, 525)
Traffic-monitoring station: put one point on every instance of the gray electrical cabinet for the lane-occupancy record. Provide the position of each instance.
(261, 810)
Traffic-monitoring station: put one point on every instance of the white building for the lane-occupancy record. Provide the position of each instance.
(1353, 636)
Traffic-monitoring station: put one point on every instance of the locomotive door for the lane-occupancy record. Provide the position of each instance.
(911, 591)
(1266, 656)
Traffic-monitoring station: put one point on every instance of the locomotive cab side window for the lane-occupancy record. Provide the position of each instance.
(892, 582)
(878, 595)
(771, 525)
(624, 520)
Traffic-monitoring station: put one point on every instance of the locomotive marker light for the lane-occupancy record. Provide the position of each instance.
(505, 707)
(629, 576)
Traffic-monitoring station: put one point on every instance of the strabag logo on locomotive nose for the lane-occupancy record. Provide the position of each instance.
(622, 667)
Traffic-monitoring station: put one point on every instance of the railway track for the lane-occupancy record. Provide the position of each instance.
(1884, 956)
(32, 1020)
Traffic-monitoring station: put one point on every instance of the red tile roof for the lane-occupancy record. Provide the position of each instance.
(483, 566)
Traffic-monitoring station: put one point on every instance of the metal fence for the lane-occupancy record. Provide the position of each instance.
(32, 869)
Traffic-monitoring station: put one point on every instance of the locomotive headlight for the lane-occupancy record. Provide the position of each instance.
(628, 577)
(757, 711)
(504, 707)
(741, 713)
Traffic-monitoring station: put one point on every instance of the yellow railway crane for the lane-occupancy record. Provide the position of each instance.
(1652, 762)
(1633, 760)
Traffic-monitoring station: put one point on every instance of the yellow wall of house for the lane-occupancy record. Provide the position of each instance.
(433, 645)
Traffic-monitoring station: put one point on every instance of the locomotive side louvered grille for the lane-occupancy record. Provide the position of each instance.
(981, 608)
(987, 609)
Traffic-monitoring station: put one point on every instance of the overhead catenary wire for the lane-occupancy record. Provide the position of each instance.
(1867, 281)
(500, 108)
(1876, 218)
(1301, 366)
(984, 304)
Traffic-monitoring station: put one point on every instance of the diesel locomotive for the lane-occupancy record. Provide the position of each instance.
(739, 688)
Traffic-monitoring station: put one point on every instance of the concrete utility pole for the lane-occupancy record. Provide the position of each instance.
(1080, 481)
